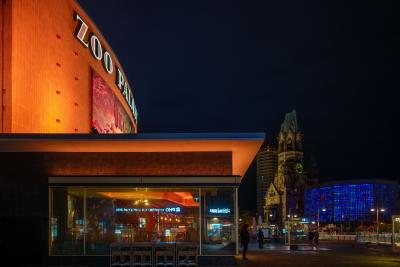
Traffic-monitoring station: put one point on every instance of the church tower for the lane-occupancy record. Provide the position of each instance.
(290, 155)
(285, 196)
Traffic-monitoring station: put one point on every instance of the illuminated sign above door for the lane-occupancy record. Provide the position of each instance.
(167, 210)
(92, 42)
(220, 211)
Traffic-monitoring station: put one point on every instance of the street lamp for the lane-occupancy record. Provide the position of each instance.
(290, 217)
(323, 210)
(377, 210)
(269, 217)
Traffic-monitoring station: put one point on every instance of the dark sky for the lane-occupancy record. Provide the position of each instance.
(219, 66)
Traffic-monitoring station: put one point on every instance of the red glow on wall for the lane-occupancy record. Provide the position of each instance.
(184, 199)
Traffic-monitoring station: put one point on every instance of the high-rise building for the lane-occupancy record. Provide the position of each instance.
(267, 165)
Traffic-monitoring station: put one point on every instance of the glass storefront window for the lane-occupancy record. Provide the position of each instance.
(140, 215)
(66, 221)
(131, 215)
(218, 227)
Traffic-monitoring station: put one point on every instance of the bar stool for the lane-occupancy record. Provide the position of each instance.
(115, 255)
(187, 254)
(125, 256)
(165, 255)
(141, 255)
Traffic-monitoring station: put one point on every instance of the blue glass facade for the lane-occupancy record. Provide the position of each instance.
(351, 201)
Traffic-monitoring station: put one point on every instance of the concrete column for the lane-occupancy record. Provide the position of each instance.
(236, 220)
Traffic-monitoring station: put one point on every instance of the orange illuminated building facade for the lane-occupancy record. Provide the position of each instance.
(76, 176)
(47, 71)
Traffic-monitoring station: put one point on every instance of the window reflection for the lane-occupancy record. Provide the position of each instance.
(131, 215)
(66, 221)
(219, 228)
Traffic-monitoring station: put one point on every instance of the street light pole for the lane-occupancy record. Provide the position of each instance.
(323, 210)
(377, 219)
(377, 222)
(341, 225)
(289, 232)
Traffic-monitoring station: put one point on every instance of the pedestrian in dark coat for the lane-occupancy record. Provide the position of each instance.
(310, 236)
(260, 237)
(244, 239)
(316, 237)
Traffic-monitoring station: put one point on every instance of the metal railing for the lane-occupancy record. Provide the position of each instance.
(364, 237)
(387, 239)
(335, 237)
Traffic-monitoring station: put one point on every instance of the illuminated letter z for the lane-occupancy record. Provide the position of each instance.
(81, 30)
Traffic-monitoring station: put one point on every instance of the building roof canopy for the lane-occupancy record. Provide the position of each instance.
(244, 146)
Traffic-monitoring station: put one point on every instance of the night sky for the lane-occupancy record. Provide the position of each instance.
(237, 66)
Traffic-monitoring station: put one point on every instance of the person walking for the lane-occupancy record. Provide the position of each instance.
(260, 237)
(244, 240)
(316, 237)
(310, 237)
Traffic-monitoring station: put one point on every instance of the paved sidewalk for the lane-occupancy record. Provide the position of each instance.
(325, 254)
(283, 247)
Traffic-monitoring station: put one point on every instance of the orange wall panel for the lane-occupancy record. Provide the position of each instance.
(1, 63)
(51, 69)
(6, 89)
(138, 164)
(49, 164)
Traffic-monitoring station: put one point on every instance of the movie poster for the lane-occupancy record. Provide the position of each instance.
(108, 116)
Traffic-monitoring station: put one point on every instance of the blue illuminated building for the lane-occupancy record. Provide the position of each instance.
(344, 201)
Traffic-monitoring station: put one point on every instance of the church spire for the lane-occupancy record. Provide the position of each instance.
(290, 137)
(290, 123)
